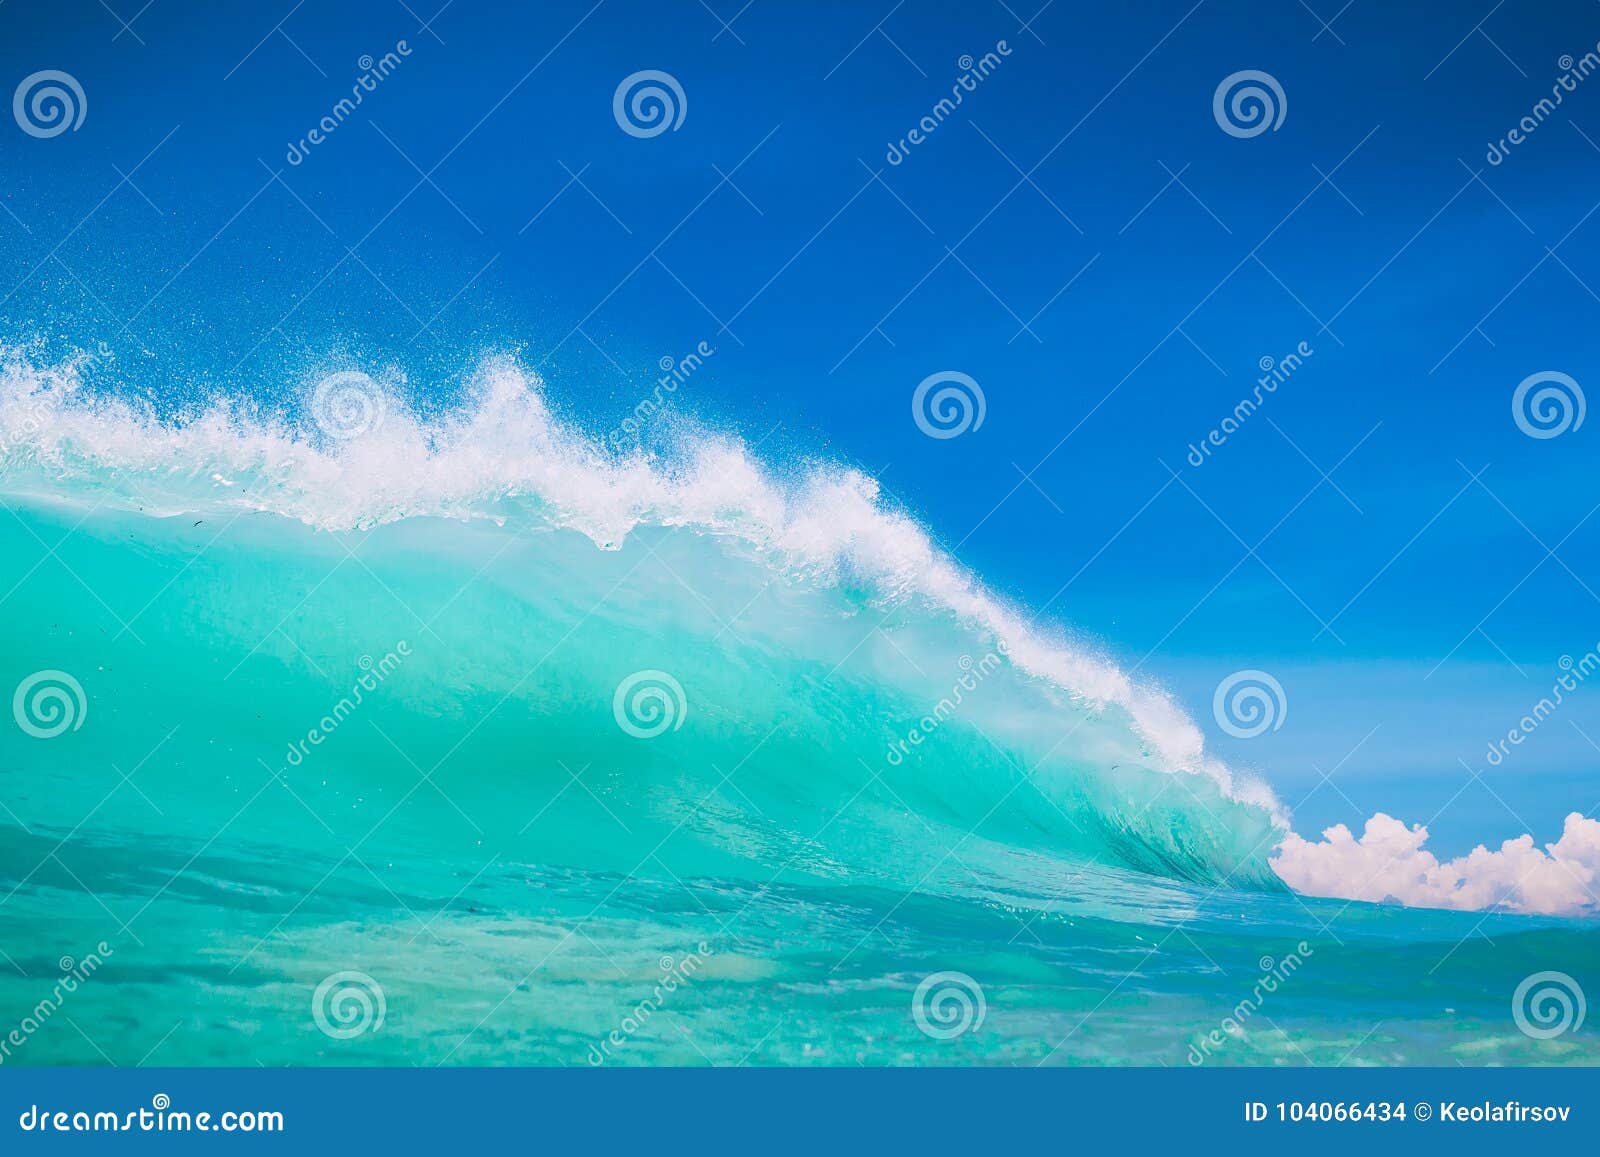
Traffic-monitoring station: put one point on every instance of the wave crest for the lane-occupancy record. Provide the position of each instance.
(504, 455)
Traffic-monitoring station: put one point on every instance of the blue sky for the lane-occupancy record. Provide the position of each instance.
(1080, 236)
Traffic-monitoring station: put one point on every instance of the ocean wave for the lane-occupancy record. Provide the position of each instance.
(354, 458)
(1097, 748)
(1095, 744)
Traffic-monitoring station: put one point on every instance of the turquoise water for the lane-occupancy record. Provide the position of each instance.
(467, 743)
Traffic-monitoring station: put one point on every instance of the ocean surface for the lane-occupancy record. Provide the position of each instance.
(345, 735)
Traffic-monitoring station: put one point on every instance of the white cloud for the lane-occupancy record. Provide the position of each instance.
(1389, 863)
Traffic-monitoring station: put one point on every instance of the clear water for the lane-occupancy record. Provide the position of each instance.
(518, 862)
